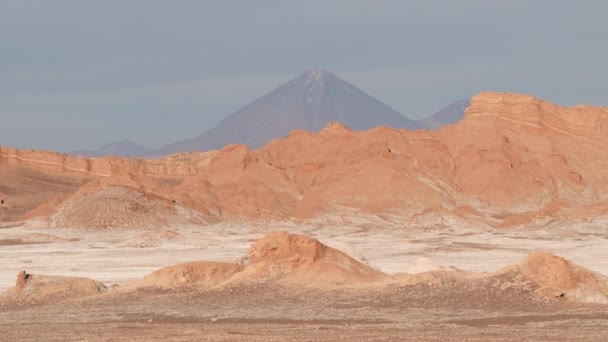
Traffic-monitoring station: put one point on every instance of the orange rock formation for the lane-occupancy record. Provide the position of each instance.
(198, 274)
(513, 160)
(297, 258)
(35, 288)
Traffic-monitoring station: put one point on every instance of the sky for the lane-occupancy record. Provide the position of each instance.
(78, 74)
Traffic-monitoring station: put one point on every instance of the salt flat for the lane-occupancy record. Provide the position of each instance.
(121, 256)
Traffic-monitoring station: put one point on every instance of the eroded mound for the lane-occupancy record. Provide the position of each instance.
(285, 259)
(34, 289)
(558, 277)
(293, 257)
(120, 206)
(282, 247)
(541, 275)
(277, 258)
(200, 274)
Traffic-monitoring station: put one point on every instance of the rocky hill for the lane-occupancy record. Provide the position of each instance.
(514, 159)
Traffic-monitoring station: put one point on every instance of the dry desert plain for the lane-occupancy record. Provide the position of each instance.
(438, 302)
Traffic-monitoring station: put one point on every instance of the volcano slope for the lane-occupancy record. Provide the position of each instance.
(292, 287)
(513, 160)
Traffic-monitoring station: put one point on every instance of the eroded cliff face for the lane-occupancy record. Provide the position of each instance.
(37, 183)
(511, 159)
(519, 149)
(529, 114)
(183, 164)
(24, 187)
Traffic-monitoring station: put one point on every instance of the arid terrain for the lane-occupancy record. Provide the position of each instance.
(490, 229)
(514, 160)
(395, 287)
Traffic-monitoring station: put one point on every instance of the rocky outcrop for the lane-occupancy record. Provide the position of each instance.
(293, 258)
(278, 258)
(42, 289)
(533, 114)
(288, 260)
(555, 277)
(183, 164)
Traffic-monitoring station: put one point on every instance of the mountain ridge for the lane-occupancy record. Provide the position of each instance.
(513, 159)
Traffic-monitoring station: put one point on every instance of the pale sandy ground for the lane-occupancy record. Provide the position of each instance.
(121, 256)
(421, 312)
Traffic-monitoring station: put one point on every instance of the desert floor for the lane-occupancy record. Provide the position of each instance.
(274, 313)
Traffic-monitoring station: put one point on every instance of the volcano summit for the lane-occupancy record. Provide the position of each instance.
(310, 101)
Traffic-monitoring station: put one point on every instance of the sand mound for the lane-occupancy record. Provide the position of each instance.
(541, 274)
(120, 206)
(289, 257)
(34, 288)
(196, 274)
(557, 277)
(276, 258)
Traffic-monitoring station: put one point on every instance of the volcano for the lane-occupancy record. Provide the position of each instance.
(310, 101)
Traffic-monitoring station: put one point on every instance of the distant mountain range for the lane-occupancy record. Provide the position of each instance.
(448, 115)
(309, 101)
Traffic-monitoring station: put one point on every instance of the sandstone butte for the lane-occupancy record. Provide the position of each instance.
(284, 259)
(513, 160)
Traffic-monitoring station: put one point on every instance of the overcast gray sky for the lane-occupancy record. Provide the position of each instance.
(77, 74)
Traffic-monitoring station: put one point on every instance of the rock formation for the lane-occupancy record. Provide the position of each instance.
(557, 277)
(293, 258)
(196, 274)
(513, 160)
(39, 289)
(286, 259)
